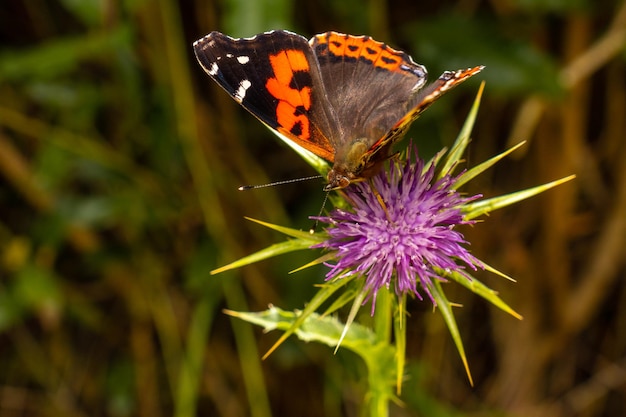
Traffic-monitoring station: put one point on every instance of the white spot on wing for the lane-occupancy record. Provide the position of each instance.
(243, 59)
(240, 94)
(214, 69)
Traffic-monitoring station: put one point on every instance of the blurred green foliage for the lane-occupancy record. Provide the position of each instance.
(119, 163)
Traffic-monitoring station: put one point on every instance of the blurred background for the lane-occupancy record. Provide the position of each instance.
(119, 166)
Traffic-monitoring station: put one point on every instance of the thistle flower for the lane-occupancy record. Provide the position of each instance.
(400, 229)
(409, 239)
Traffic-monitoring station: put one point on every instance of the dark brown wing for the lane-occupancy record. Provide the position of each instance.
(420, 102)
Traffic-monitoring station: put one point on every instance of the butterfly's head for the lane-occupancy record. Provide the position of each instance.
(338, 178)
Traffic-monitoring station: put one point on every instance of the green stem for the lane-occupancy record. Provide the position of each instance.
(379, 404)
(378, 383)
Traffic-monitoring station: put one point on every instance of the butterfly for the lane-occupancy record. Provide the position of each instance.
(345, 98)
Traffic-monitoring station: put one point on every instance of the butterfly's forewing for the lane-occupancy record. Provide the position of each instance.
(275, 76)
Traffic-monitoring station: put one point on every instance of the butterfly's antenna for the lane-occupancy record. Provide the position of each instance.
(314, 227)
(272, 184)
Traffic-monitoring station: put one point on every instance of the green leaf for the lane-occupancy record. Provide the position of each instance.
(299, 234)
(445, 308)
(479, 208)
(304, 240)
(463, 138)
(377, 355)
(399, 331)
(480, 289)
(325, 292)
(356, 305)
(343, 299)
(479, 169)
(269, 252)
(495, 271)
(314, 328)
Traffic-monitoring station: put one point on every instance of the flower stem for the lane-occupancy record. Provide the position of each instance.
(379, 405)
(379, 392)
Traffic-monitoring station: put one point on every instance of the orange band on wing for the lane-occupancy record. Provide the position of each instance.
(365, 47)
(297, 125)
(284, 64)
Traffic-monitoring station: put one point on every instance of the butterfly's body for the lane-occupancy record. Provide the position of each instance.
(345, 98)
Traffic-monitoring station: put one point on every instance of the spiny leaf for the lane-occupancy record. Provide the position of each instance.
(377, 355)
(479, 208)
(325, 292)
(495, 271)
(323, 329)
(341, 301)
(356, 305)
(298, 234)
(480, 289)
(271, 251)
(463, 139)
(479, 169)
(321, 259)
(399, 331)
(446, 311)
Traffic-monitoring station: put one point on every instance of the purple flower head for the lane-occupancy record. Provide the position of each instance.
(410, 238)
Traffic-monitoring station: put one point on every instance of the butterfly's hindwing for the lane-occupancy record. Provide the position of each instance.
(368, 84)
(429, 94)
